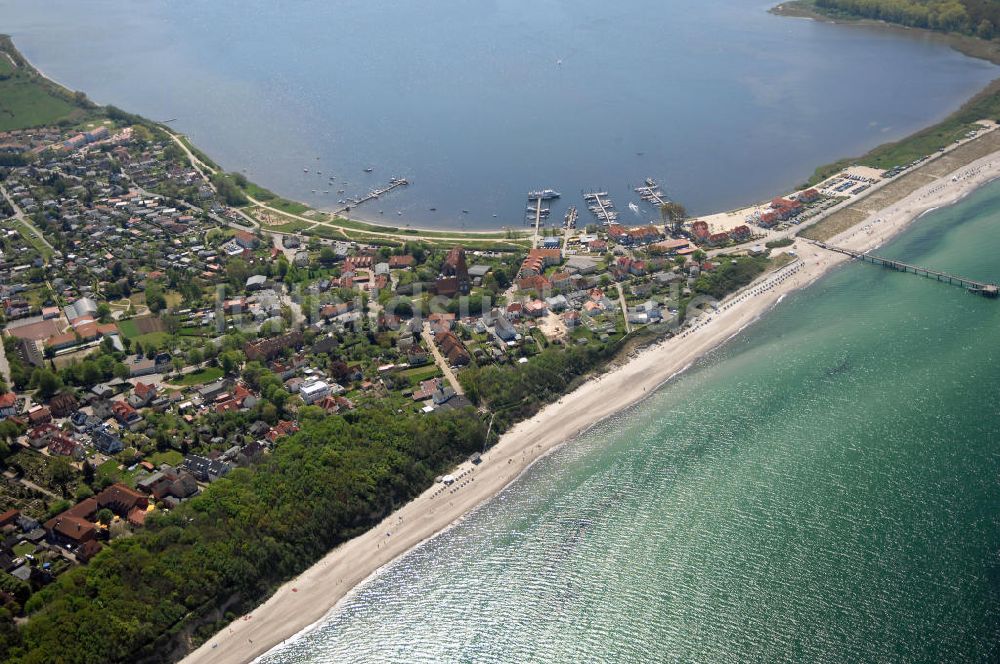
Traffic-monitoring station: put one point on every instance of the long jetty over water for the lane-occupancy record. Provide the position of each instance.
(971, 285)
(374, 193)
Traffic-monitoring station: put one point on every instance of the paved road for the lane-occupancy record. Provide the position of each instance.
(24, 219)
(203, 169)
(442, 363)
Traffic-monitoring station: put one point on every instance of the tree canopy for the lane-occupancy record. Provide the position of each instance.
(244, 535)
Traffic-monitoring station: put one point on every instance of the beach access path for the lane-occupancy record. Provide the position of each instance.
(306, 599)
(439, 359)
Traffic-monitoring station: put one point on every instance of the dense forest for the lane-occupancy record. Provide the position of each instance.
(973, 17)
(228, 548)
(516, 392)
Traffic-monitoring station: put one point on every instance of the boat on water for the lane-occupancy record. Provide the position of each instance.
(544, 194)
(369, 169)
(634, 208)
(650, 182)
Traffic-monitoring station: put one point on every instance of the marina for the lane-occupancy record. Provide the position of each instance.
(601, 207)
(651, 193)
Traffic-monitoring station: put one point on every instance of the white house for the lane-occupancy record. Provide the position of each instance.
(313, 391)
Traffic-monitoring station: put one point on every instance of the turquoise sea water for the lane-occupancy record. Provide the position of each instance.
(823, 488)
(479, 101)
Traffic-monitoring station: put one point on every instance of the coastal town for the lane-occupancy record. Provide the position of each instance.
(196, 373)
(158, 335)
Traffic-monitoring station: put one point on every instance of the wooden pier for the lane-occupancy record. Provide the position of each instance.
(538, 222)
(651, 193)
(601, 207)
(971, 285)
(374, 194)
(569, 221)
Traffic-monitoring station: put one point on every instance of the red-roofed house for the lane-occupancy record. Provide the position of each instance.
(124, 413)
(143, 395)
(246, 240)
(63, 446)
(39, 415)
(741, 233)
(536, 283)
(768, 219)
(8, 404)
(281, 429)
(715, 239)
(400, 262)
(809, 195)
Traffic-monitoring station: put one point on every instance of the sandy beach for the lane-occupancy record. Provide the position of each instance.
(308, 598)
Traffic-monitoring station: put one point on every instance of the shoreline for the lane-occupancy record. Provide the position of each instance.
(968, 46)
(302, 604)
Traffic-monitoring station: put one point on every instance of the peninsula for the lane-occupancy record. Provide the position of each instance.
(214, 396)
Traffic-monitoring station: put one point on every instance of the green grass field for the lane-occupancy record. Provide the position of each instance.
(108, 469)
(199, 377)
(6, 65)
(171, 457)
(293, 226)
(155, 339)
(24, 103)
(418, 374)
(128, 328)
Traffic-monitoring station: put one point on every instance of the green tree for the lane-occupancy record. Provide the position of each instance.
(327, 256)
(120, 371)
(47, 382)
(61, 473)
(155, 299)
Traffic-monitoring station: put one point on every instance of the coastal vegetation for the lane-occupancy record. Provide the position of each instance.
(516, 392)
(730, 275)
(30, 100)
(984, 106)
(980, 18)
(969, 26)
(227, 549)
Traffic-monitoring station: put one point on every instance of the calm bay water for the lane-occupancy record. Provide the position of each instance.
(722, 102)
(824, 488)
